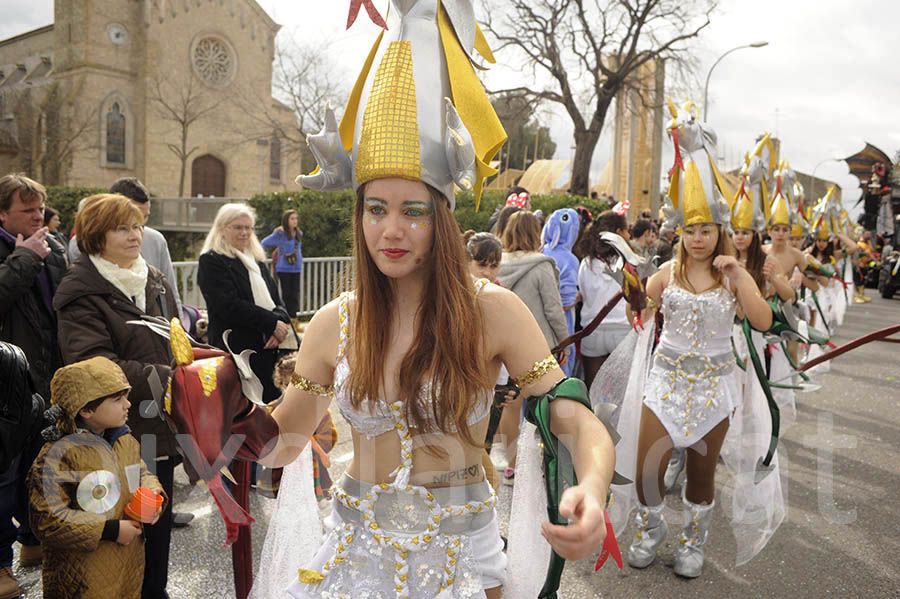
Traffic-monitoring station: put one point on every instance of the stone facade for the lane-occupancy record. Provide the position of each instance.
(637, 142)
(127, 87)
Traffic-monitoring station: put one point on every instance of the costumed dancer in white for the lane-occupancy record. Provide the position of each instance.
(781, 217)
(691, 390)
(411, 354)
(754, 502)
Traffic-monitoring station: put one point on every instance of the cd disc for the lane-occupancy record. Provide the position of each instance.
(98, 492)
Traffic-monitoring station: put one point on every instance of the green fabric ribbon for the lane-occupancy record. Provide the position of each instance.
(559, 469)
(821, 312)
(774, 410)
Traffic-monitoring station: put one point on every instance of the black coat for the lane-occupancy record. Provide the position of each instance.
(25, 318)
(93, 321)
(225, 284)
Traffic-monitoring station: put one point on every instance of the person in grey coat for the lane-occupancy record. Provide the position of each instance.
(533, 277)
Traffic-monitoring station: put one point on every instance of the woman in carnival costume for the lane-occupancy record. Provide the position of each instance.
(834, 249)
(690, 394)
(411, 354)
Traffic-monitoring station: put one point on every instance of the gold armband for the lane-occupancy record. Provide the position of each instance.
(651, 303)
(304, 384)
(539, 369)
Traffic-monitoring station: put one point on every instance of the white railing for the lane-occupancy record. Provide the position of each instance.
(320, 282)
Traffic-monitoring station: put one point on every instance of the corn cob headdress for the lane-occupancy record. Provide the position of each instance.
(750, 208)
(782, 210)
(826, 216)
(417, 110)
(697, 190)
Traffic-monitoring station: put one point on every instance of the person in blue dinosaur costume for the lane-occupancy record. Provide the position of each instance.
(557, 240)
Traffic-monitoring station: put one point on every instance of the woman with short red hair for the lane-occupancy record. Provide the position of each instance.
(109, 285)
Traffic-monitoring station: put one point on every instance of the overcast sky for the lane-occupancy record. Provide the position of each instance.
(826, 83)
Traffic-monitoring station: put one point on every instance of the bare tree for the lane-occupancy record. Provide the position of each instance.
(525, 135)
(589, 48)
(304, 82)
(181, 102)
(51, 127)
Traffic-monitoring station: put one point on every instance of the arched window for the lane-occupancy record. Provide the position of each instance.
(115, 135)
(275, 158)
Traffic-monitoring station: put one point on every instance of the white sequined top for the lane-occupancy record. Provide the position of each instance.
(374, 418)
(691, 387)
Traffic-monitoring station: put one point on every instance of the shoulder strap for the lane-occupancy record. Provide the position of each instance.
(672, 266)
(344, 321)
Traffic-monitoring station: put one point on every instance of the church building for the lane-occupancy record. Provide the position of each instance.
(175, 92)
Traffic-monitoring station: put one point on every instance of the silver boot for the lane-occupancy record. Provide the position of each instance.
(651, 530)
(689, 551)
(676, 465)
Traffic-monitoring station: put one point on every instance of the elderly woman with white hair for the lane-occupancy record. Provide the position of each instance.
(240, 293)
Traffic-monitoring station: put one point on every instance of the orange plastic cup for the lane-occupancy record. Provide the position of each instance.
(144, 505)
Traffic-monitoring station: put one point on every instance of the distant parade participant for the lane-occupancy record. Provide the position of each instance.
(691, 391)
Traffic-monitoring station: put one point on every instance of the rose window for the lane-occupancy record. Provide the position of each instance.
(213, 61)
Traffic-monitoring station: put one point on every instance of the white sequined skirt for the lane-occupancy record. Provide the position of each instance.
(369, 570)
(691, 392)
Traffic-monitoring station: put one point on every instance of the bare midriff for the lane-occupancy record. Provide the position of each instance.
(439, 459)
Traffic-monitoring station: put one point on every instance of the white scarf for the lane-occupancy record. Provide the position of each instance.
(261, 295)
(130, 281)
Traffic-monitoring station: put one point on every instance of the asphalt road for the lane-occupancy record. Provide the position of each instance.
(840, 537)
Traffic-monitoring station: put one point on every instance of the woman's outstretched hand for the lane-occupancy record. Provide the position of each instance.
(587, 530)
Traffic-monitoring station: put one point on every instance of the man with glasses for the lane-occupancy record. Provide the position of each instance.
(32, 263)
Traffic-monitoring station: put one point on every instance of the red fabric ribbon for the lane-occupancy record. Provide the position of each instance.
(370, 8)
(679, 162)
(610, 546)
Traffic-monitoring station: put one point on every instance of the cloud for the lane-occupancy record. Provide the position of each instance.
(22, 16)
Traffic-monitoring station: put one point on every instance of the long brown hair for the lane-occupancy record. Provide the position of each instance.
(756, 258)
(295, 234)
(448, 345)
(522, 233)
(723, 248)
(591, 246)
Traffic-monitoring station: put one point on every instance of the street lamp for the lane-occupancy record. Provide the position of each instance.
(718, 60)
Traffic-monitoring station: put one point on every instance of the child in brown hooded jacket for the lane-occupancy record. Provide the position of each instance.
(81, 482)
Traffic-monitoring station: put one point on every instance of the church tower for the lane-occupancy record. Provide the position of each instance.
(103, 35)
(99, 56)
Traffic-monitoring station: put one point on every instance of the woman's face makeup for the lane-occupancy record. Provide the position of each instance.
(742, 239)
(398, 225)
(700, 240)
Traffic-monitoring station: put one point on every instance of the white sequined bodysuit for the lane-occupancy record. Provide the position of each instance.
(691, 386)
(396, 540)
